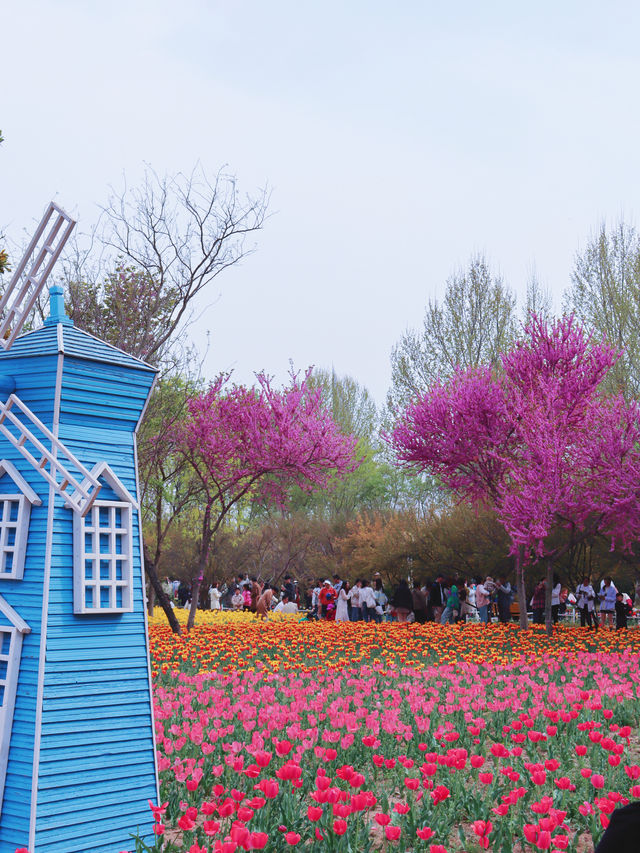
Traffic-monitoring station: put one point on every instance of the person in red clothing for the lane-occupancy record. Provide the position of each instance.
(538, 602)
(328, 599)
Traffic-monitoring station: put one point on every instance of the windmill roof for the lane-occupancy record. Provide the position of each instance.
(62, 337)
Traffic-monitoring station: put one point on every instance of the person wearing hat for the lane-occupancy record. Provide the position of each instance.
(327, 599)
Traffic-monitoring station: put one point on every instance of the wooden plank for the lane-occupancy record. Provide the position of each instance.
(112, 768)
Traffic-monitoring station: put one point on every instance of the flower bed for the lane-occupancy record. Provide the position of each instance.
(370, 737)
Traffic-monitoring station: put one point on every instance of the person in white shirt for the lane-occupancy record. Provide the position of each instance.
(382, 602)
(315, 600)
(607, 596)
(367, 602)
(214, 596)
(342, 607)
(585, 602)
(285, 606)
(354, 595)
(555, 599)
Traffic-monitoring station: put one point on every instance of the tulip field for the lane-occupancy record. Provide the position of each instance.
(354, 737)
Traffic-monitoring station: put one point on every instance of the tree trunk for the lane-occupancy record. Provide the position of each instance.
(151, 600)
(195, 593)
(521, 589)
(547, 599)
(205, 546)
(196, 583)
(163, 601)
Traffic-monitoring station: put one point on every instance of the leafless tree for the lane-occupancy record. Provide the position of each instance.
(162, 244)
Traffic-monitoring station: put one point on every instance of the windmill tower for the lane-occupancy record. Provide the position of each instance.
(76, 727)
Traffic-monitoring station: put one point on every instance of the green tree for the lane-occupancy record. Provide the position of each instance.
(605, 295)
(376, 484)
(169, 490)
(538, 301)
(472, 326)
(352, 406)
(126, 309)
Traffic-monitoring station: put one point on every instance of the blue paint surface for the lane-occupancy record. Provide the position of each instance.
(95, 766)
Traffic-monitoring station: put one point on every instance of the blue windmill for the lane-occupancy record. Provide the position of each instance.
(76, 727)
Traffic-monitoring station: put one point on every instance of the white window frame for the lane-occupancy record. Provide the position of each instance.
(25, 497)
(16, 630)
(19, 548)
(89, 525)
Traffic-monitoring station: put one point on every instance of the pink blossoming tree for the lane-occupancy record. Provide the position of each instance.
(257, 443)
(539, 442)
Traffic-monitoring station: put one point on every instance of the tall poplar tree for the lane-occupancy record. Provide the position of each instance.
(473, 324)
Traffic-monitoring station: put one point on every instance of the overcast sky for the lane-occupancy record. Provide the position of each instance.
(398, 139)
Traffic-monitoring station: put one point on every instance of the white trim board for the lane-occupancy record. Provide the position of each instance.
(8, 468)
(44, 621)
(16, 620)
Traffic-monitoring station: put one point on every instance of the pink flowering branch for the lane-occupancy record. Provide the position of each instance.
(257, 443)
(539, 442)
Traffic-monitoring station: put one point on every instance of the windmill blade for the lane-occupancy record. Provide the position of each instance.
(20, 295)
(71, 479)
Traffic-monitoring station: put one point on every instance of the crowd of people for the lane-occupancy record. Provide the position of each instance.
(603, 604)
(612, 604)
(444, 600)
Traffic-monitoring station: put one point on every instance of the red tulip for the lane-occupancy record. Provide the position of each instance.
(440, 793)
(284, 747)
(269, 787)
(425, 833)
(482, 827)
(339, 827)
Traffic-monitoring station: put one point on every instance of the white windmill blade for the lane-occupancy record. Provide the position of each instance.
(72, 473)
(20, 295)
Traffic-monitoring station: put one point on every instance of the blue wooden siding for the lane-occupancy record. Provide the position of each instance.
(96, 768)
(75, 343)
(81, 345)
(96, 712)
(25, 597)
(115, 404)
(96, 723)
(42, 341)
